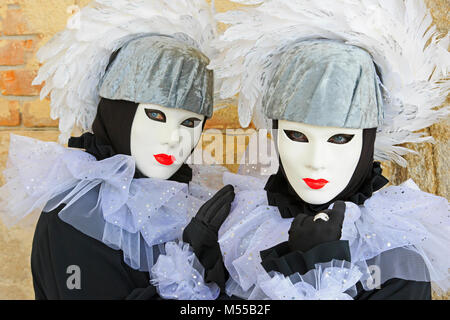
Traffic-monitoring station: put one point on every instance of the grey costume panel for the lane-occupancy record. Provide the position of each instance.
(325, 83)
(161, 70)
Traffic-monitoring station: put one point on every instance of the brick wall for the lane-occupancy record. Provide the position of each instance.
(25, 25)
(20, 105)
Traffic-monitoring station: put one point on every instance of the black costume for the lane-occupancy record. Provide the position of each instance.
(58, 245)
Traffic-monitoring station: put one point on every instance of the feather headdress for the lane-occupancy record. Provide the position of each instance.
(411, 57)
(74, 61)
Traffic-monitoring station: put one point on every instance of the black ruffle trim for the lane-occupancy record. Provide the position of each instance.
(279, 194)
(93, 145)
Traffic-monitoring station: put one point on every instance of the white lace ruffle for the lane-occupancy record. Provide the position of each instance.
(403, 231)
(179, 275)
(101, 197)
(335, 280)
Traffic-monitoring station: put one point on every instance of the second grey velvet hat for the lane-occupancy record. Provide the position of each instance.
(325, 83)
(161, 70)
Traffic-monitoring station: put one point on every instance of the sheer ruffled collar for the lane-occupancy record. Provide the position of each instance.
(99, 198)
(101, 150)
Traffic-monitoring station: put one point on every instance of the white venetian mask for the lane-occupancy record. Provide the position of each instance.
(163, 138)
(318, 161)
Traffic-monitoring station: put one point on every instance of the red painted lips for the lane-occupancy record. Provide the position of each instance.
(164, 159)
(315, 184)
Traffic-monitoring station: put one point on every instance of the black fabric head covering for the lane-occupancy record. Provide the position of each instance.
(111, 135)
(112, 132)
(366, 179)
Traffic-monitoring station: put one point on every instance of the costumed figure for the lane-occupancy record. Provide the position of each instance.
(133, 76)
(343, 82)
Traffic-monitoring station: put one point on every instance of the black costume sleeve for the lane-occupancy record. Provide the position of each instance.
(397, 289)
(39, 293)
(281, 259)
(58, 249)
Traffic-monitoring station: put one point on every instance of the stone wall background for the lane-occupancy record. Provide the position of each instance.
(25, 25)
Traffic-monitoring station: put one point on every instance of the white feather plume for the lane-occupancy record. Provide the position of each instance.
(74, 61)
(412, 58)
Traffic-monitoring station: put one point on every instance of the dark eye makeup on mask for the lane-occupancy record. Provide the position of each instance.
(191, 122)
(155, 115)
(297, 136)
(341, 138)
(159, 116)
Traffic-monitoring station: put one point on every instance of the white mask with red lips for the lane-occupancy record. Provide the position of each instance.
(319, 162)
(163, 138)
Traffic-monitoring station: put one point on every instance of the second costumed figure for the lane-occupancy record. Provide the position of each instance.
(344, 82)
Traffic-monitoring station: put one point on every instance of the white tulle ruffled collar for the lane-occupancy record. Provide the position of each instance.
(100, 198)
(401, 230)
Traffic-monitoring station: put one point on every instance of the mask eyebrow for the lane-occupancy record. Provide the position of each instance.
(192, 118)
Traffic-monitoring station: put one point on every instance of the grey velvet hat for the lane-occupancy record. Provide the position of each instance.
(162, 70)
(325, 83)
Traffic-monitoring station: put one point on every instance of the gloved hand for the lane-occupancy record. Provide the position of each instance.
(202, 234)
(306, 232)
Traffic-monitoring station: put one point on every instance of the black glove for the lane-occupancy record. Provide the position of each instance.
(202, 234)
(305, 233)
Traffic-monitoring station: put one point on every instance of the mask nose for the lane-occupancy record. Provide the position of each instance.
(174, 138)
(316, 159)
(314, 167)
(170, 136)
